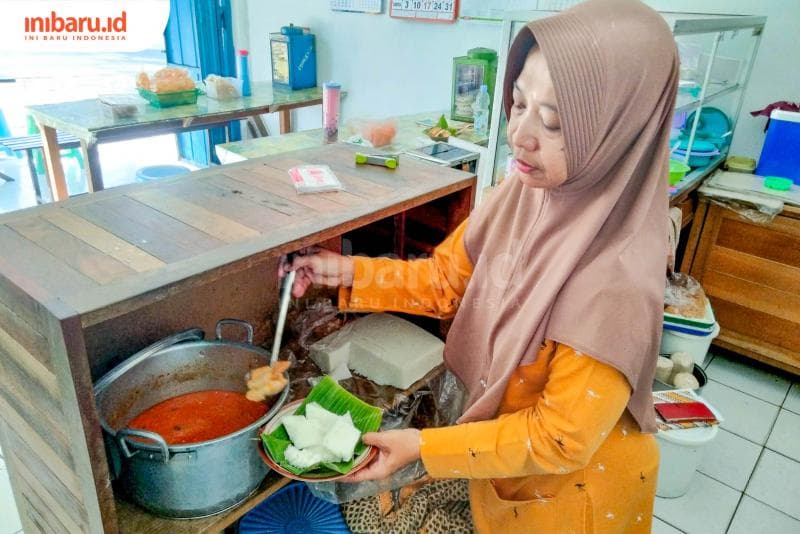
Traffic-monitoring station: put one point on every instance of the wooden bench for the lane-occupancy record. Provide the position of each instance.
(28, 144)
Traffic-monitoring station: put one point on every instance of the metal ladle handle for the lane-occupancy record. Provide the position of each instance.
(286, 296)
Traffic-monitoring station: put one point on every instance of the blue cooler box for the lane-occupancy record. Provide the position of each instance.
(780, 155)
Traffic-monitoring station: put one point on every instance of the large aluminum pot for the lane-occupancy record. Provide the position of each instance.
(193, 480)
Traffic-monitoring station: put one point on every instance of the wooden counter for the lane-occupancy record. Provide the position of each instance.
(751, 274)
(87, 282)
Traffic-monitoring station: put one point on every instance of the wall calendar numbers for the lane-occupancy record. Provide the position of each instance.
(425, 10)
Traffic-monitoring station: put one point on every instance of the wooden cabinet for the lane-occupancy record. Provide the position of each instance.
(87, 282)
(751, 273)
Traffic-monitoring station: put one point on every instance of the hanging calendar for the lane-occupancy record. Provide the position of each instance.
(358, 6)
(425, 10)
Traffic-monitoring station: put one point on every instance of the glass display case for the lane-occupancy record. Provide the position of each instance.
(717, 54)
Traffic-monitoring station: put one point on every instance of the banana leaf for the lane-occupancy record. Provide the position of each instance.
(333, 397)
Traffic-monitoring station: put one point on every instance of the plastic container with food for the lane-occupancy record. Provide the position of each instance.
(170, 86)
(696, 345)
(168, 100)
(702, 324)
(120, 106)
(740, 164)
(223, 88)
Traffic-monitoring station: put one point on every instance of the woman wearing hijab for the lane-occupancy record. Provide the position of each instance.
(555, 283)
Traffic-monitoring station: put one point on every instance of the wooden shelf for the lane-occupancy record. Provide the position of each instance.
(692, 181)
(132, 518)
(686, 102)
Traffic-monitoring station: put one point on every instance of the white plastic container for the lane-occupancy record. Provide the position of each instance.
(697, 346)
(681, 454)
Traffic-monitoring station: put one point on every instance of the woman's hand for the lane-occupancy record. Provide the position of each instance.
(396, 449)
(318, 266)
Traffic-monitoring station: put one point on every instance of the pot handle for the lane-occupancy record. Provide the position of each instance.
(126, 433)
(193, 334)
(235, 322)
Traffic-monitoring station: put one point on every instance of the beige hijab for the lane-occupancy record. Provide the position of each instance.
(582, 264)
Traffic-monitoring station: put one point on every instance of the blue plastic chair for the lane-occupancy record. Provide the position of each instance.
(4, 132)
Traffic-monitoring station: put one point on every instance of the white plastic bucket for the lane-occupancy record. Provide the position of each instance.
(681, 454)
(697, 346)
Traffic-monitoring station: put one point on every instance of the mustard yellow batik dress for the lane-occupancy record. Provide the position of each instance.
(563, 454)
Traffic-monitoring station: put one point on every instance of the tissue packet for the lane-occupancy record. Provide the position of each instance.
(314, 179)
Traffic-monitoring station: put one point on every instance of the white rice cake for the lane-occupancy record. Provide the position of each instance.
(303, 432)
(342, 438)
(332, 352)
(384, 348)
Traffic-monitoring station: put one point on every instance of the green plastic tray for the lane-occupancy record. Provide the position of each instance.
(705, 322)
(168, 100)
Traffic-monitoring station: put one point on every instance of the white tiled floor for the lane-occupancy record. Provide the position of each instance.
(743, 487)
(749, 480)
(731, 459)
(744, 415)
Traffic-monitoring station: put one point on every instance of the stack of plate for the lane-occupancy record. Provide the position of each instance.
(701, 154)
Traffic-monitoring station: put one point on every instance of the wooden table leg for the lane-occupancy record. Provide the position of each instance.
(52, 159)
(400, 235)
(286, 120)
(93, 173)
(34, 175)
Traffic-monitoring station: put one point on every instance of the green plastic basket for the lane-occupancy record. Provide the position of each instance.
(168, 100)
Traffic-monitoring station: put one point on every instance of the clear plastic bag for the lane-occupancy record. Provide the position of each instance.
(749, 205)
(683, 295)
(377, 132)
(757, 213)
(438, 399)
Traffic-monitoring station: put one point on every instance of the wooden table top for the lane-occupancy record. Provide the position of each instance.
(104, 254)
(87, 119)
(409, 136)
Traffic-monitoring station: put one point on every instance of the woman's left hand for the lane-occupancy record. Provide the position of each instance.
(396, 449)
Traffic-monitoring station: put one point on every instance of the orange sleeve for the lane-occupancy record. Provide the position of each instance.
(431, 286)
(582, 401)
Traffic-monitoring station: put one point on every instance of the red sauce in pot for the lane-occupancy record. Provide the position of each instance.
(199, 416)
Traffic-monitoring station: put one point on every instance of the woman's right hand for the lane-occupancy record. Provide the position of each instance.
(321, 267)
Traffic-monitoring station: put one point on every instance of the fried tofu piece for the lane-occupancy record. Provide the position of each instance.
(267, 381)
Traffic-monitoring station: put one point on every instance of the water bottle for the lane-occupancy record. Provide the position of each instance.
(244, 71)
(331, 94)
(480, 111)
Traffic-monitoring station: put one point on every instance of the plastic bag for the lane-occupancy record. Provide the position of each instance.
(683, 295)
(378, 132)
(223, 88)
(757, 207)
(319, 318)
(438, 399)
(166, 80)
(757, 213)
